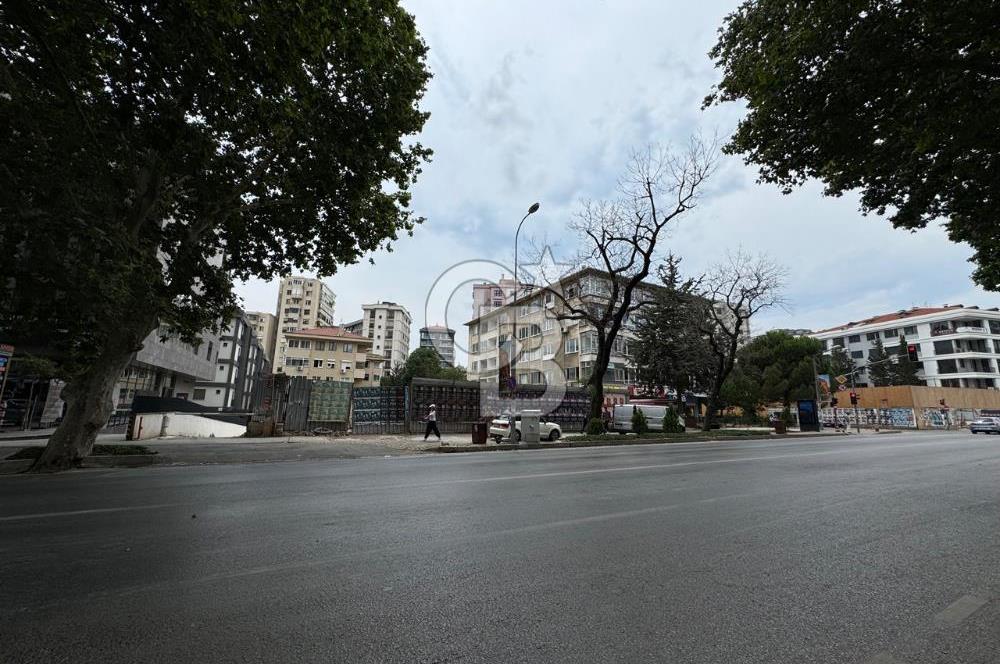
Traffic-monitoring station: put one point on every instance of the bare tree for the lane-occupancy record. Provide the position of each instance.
(620, 237)
(733, 292)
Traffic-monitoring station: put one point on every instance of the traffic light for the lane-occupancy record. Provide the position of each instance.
(833, 402)
(854, 398)
(911, 351)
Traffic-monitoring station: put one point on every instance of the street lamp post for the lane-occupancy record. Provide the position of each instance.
(513, 337)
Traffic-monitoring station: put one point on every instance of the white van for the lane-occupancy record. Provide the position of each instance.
(622, 418)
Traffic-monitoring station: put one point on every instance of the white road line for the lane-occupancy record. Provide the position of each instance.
(103, 510)
(679, 464)
(956, 612)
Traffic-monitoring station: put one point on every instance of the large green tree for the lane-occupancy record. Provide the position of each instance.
(424, 362)
(153, 152)
(879, 365)
(781, 365)
(670, 350)
(899, 100)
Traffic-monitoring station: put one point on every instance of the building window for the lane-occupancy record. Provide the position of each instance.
(947, 366)
(857, 354)
(910, 330)
(305, 343)
(348, 348)
(572, 345)
(854, 339)
(994, 326)
(320, 345)
(572, 373)
(296, 361)
(199, 393)
(889, 334)
(943, 348)
(996, 345)
(872, 336)
(317, 364)
(548, 324)
(293, 343)
(839, 341)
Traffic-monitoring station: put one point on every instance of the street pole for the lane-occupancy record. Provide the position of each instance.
(815, 380)
(513, 337)
(854, 391)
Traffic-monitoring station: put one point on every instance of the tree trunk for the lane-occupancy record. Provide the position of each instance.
(88, 400)
(596, 383)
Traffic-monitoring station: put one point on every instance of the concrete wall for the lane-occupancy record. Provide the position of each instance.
(187, 425)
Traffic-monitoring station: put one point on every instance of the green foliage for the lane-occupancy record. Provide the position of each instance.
(671, 349)
(424, 362)
(141, 141)
(33, 367)
(837, 363)
(904, 371)
(895, 99)
(780, 365)
(879, 365)
(595, 426)
(639, 423)
(742, 391)
(671, 423)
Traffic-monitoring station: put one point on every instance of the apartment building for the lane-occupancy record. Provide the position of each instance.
(551, 351)
(241, 362)
(265, 328)
(387, 326)
(441, 339)
(354, 327)
(303, 303)
(956, 346)
(487, 296)
(330, 353)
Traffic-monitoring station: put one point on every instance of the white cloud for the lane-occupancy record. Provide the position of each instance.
(542, 101)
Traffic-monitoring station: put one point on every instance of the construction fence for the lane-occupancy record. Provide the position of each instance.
(300, 405)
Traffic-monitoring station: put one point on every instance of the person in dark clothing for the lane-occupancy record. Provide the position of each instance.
(432, 423)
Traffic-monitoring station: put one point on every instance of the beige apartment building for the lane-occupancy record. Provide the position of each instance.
(331, 353)
(552, 351)
(265, 327)
(303, 303)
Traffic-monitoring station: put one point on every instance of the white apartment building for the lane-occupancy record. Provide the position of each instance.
(303, 303)
(442, 340)
(957, 346)
(387, 324)
(552, 351)
(265, 328)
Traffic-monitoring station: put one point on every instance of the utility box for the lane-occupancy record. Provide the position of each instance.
(530, 426)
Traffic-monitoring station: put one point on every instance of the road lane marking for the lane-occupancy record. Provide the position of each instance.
(103, 510)
(956, 612)
(679, 464)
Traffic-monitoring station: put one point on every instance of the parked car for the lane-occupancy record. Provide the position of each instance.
(621, 420)
(985, 425)
(509, 426)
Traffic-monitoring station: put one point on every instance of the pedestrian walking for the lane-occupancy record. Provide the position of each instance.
(432, 424)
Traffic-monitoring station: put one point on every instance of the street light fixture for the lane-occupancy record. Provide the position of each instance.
(513, 337)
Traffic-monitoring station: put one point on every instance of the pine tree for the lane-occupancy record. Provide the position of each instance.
(904, 371)
(879, 369)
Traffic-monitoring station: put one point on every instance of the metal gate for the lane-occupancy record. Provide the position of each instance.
(297, 405)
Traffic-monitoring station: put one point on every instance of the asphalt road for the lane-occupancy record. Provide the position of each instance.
(861, 549)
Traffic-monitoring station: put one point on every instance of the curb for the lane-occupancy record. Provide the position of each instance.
(15, 466)
(626, 442)
(119, 461)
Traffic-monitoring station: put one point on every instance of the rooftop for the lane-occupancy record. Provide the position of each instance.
(437, 328)
(902, 314)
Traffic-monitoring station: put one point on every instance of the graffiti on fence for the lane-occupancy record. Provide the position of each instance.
(894, 418)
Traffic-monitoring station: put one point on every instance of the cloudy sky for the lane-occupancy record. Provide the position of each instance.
(543, 101)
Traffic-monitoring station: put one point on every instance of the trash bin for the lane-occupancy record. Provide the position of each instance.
(779, 427)
(479, 432)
